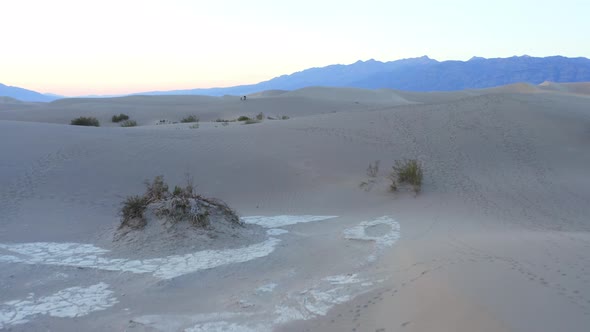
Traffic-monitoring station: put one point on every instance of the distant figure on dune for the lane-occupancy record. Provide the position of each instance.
(243, 98)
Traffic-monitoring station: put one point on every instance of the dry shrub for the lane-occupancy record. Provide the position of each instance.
(183, 204)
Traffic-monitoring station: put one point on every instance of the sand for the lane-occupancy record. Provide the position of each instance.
(498, 239)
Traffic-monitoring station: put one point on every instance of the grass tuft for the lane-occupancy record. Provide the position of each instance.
(132, 212)
(406, 172)
(156, 190)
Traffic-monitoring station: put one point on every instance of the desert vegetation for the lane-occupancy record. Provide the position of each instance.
(119, 118)
(182, 204)
(129, 123)
(257, 119)
(190, 119)
(407, 171)
(283, 117)
(404, 172)
(243, 118)
(85, 121)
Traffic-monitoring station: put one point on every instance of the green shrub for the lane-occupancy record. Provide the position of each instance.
(120, 117)
(190, 119)
(129, 123)
(132, 212)
(284, 117)
(178, 191)
(85, 121)
(408, 172)
(260, 116)
(243, 118)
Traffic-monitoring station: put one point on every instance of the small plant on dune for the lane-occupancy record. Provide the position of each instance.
(194, 126)
(132, 212)
(129, 123)
(251, 121)
(243, 118)
(226, 121)
(260, 116)
(184, 204)
(406, 172)
(178, 191)
(284, 117)
(85, 121)
(190, 119)
(120, 117)
(156, 190)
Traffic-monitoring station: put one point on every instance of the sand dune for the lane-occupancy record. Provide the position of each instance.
(496, 241)
(389, 97)
(577, 88)
(149, 110)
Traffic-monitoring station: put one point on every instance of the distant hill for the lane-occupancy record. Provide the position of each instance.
(420, 74)
(24, 94)
(9, 100)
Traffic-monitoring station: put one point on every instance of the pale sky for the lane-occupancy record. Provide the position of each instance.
(80, 47)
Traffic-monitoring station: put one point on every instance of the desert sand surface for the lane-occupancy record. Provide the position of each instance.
(498, 239)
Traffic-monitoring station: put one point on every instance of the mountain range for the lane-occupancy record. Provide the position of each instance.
(415, 74)
(24, 94)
